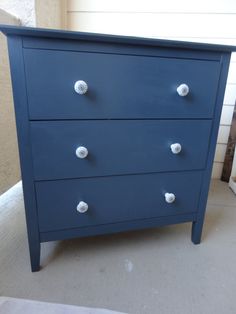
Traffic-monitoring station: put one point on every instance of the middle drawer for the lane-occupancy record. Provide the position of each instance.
(117, 147)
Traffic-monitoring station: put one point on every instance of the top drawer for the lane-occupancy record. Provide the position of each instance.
(119, 86)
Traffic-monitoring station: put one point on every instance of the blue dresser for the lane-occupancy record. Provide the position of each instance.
(115, 133)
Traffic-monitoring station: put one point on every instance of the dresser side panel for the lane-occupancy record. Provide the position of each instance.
(198, 224)
(24, 142)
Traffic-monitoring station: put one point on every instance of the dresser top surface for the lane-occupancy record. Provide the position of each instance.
(95, 37)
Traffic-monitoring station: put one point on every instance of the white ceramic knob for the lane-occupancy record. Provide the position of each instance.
(169, 197)
(81, 152)
(81, 87)
(183, 90)
(82, 207)
(175, 148)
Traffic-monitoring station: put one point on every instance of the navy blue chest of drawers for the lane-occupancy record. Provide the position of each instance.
(115, 133)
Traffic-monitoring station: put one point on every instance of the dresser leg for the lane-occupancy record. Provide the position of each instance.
(197, 231)
(35, 256)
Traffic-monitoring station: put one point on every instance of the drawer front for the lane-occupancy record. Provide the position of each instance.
(115, 199)
(117, 147)
(119, 86)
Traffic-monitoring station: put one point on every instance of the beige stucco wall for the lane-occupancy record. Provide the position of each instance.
(9, 164)
(51, 14)
(42, 13)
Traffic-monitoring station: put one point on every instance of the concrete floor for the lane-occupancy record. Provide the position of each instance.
(151, 271)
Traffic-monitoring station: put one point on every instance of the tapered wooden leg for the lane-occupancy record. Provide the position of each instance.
(34, 249)
(197, 231)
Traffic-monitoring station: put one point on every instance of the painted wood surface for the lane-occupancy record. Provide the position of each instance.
(117, 227)
(115, 199)
(133, 146)
(117, 202)
(198, 224)
(24, 143)
(119, 86)
(100, 37)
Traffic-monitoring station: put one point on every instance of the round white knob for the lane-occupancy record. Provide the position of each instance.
(81, 152)
(183, 90)
(82, 207)
(170, 197)
(81, 87)
(175, 148)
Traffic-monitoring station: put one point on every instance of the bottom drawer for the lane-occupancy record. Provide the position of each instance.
(115, 199)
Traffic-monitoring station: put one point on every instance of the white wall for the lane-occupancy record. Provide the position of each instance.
(204, 21)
